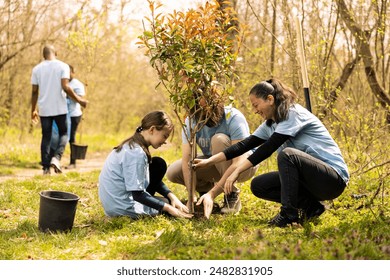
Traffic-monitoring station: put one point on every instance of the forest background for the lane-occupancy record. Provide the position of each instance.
(347, 45)
(347, 50)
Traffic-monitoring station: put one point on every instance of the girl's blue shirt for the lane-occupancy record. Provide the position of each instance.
(122, 173)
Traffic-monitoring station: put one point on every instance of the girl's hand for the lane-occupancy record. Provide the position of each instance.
(176, 212)
(176, 203)
(229, 183)
(200, 163)
(208, 203)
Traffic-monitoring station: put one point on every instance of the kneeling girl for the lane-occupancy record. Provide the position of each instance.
(131, 176)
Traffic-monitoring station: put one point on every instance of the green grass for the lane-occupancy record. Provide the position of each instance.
(354, 227)
(342, 232)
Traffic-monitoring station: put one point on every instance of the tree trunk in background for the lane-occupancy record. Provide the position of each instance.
(329, 47)
(332, 97)
(292, 45)
(232, 4)
(380, 41)
(362, 39)
(265, 20)
(273, 42)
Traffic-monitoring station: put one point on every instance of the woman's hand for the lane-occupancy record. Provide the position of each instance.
(229, 183)
(176, 203)
(200, 163)
(208, 204)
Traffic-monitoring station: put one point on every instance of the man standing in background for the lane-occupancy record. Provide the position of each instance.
(50, 85)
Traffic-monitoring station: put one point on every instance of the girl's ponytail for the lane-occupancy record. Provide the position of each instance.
(158, 119)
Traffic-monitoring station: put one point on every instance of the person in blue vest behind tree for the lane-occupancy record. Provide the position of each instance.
(73, 118)
(131, 177)
(311, 168)
(75, 113)
(226, 126)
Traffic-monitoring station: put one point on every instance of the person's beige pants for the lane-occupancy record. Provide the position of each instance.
(208, 176)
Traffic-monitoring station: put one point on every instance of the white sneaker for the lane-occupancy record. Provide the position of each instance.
(232, 204)
(55, 163)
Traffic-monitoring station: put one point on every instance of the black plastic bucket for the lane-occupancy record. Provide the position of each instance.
(57, 210)
(78, 151)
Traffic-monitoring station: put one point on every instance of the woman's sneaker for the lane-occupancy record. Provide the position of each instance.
(283, 220)
(231, 203)
(71, 166)
(313, 211)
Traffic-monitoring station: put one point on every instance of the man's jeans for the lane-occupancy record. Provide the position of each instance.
(47, 125)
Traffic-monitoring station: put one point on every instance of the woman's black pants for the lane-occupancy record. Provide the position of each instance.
(300, 181)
